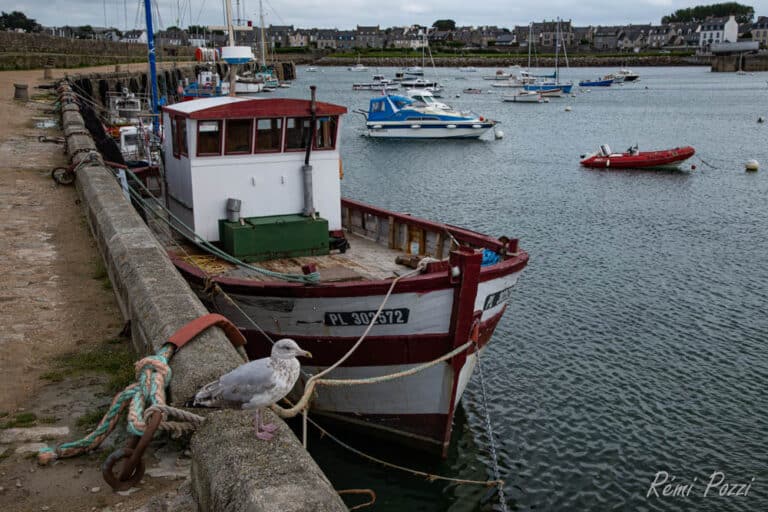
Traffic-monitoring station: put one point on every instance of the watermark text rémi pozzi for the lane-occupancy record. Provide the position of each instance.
(665, 485)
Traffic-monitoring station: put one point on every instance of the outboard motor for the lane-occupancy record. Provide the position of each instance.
(605, 149)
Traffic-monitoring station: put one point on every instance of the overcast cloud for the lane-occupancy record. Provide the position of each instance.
(345, 14)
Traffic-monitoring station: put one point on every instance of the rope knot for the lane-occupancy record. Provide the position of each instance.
(157, 363)
(46, 455)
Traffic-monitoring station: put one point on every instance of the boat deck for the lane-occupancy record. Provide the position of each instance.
(364, 260)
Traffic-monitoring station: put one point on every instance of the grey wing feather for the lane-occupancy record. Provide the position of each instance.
(238, 386)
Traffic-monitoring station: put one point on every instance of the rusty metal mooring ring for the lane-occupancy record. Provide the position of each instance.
(112, 480)
(133, 469)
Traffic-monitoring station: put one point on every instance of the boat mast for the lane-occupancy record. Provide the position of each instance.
(152, 66)
(530, 35)
(231, 30)
(557, 49)
(263, 39)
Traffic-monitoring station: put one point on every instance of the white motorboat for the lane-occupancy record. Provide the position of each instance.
(524, 97)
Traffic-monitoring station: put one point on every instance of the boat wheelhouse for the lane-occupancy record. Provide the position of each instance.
(393, 116)
(260, 178)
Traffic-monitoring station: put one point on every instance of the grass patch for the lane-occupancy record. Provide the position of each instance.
(90, 419)
(113, 359)
(23, 419)
(47, 420)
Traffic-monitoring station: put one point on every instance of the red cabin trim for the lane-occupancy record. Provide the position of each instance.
(277, 107)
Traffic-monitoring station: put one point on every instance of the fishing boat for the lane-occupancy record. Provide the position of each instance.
(401, 117)
(374, 86)
(600, 82)
(260, 179)
(499, 75)
(420, 83)
(635, 159)
(524, 97)
(615, 78)
(414, 71)
(628, 74)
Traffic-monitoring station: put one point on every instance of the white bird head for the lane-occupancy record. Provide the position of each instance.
(287, 348)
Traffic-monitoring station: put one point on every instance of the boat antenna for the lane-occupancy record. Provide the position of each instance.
(152, 66)
(263, 40)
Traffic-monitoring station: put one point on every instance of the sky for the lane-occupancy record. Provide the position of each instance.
(346, 14)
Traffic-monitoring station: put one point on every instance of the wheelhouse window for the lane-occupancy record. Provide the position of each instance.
(181, 125)
(269, 133)
(238, 136)
(297, 132)
(208, 138)
(325, 137)
(175, 136)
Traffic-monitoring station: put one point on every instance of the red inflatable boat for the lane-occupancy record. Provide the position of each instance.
(634, 159)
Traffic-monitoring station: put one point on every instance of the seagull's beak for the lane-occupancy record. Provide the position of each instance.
(307, 353)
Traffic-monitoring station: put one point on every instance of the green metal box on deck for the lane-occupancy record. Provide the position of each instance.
(276, 236)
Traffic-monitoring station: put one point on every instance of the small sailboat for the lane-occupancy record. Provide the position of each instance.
(359, 66)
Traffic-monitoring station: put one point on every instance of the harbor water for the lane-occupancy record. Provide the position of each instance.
(635, 341)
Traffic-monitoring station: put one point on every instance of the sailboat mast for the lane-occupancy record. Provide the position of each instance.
(152, 66)
(557, 50)
(263, 39)
(530, 35)
(231, 30)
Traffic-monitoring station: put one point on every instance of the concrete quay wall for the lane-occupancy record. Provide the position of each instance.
(232, 470)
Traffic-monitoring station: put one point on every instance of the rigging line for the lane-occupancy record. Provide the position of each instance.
(275, 13)
(139, 10)
(199, 13)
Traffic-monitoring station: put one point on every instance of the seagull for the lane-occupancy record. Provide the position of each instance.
(257, 384)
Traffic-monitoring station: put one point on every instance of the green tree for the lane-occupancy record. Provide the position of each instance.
(743, 13)
(84, 32)
(18, 20)
(444, 25)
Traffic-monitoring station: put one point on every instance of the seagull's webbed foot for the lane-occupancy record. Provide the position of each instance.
(263, 435)
(263, 431)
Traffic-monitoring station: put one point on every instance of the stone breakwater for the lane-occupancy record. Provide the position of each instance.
(522, 60)
(31, 51)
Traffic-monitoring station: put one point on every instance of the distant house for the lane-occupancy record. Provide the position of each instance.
(298, 39)
(326, 38)
(277, 35)
(506, 39)
(134, 36)
(173, 37)
(369, 37)
(545, 33)
(633, 37)
(607, 38)
(760, 31)
(106, 33)
(718, 30)
(345, 40)
(583, 35)
(405, 37)
(661, 35)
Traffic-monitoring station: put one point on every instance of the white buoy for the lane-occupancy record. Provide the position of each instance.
(752, 165)
(498, 134)
(568, 108)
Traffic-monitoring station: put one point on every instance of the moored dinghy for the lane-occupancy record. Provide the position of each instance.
(635, 159)
(260, 178)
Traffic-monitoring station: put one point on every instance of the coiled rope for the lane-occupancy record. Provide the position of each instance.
(152, 378)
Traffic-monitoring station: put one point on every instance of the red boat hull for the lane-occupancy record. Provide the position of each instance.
(640, 160)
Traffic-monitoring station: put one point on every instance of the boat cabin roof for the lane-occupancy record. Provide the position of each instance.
(225, 107)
